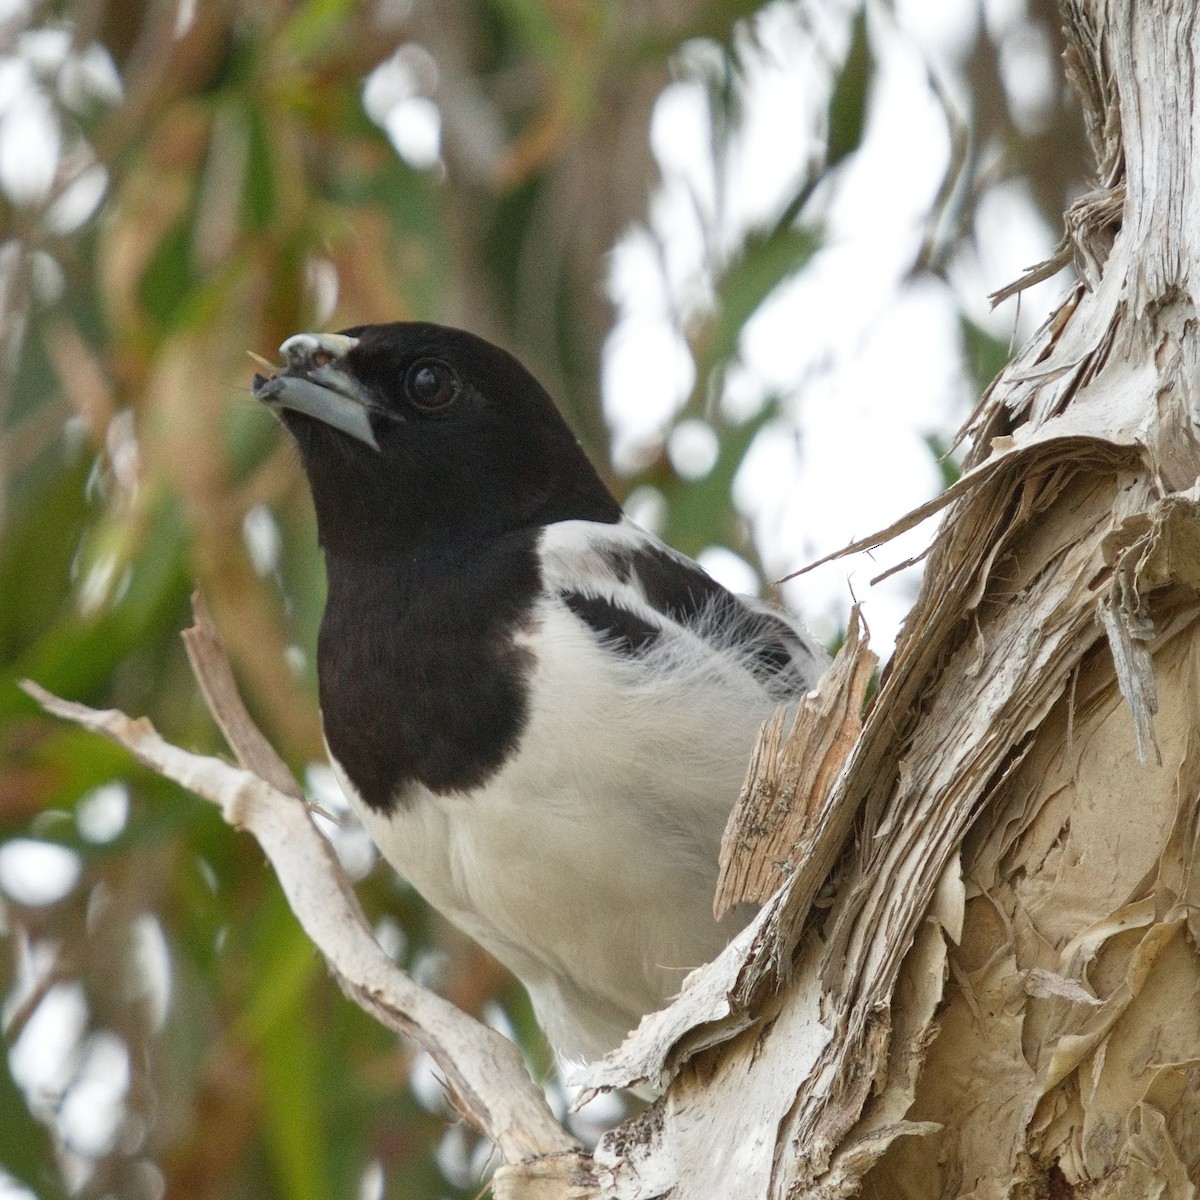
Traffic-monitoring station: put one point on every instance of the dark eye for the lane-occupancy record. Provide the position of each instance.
(431, 384)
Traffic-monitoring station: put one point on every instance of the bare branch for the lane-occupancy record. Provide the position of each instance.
(484, 1071)
(210, 665)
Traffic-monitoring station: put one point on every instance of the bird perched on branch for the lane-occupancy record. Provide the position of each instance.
(541, 712)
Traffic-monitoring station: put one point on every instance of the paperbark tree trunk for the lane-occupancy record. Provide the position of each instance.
(1000, 993)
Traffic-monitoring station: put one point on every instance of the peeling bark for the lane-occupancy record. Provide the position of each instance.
(999, 999)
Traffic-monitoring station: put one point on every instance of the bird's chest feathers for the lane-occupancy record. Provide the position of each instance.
(423, 677)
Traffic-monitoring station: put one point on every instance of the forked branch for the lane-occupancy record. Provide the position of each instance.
(486, 1077)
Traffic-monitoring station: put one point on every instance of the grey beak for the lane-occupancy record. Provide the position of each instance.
(313, 383)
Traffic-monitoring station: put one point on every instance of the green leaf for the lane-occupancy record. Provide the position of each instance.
(294, 1065)
(531, 24)
(258, 199)
(942, 457)
(765, 262)
(699, 511)
(848, 106)
(309, 32)
(76, 656)
(168, 282)
(986, 356)
(39, 541)
(414, 206)
(26, 1151)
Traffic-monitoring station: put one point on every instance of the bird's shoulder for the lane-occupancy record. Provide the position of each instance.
(642, 599)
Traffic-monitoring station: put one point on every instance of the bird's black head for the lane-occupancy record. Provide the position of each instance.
(419, 435)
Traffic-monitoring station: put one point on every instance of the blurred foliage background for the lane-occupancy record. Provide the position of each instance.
(211, 177)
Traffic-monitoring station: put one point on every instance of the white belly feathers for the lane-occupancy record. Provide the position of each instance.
(587, 864)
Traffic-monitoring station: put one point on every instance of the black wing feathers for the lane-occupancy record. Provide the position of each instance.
(684, 594)
(624, 631)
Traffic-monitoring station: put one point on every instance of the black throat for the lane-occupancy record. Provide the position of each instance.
(421, 679)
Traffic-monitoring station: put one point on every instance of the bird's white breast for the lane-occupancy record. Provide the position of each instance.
(587, 864)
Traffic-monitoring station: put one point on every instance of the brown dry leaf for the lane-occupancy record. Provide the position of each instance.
(183, 444)
(83, 380)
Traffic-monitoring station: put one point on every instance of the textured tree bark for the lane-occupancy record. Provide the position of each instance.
(1001, 997)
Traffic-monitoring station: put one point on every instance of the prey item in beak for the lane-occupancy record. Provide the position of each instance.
(313, 383)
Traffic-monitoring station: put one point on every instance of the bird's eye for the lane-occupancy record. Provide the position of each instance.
(431, 384)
